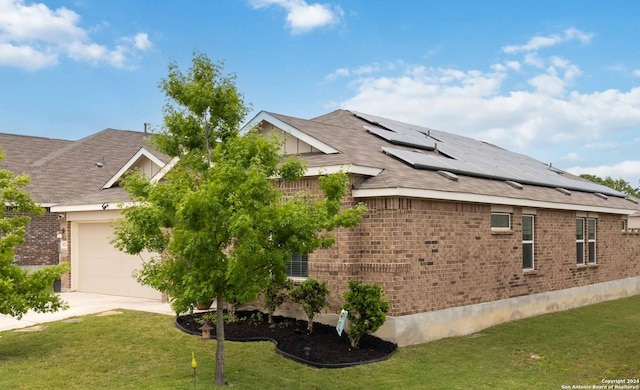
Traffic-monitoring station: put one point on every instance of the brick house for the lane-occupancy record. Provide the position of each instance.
(461, 234)
(61, 170)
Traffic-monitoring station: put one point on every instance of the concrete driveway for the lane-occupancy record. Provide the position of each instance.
(81, 304)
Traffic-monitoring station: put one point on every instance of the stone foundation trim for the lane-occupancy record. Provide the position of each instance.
(461, 321)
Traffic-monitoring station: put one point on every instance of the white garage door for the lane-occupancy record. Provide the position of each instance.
(103, 269)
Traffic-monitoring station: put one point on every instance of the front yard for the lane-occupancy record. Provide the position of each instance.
(134, 350)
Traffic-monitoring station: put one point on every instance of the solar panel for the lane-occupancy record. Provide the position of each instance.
(519, 174)
(417, 140)
(466, 156)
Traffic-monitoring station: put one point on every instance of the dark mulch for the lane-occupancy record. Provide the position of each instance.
(322, 348)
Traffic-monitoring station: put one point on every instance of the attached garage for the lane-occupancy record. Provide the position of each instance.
(98, 267)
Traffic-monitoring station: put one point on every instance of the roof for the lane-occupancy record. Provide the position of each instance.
(457, 168)
(61, 170)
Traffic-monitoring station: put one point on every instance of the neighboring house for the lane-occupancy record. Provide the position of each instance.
(62, 170)
(461, 234)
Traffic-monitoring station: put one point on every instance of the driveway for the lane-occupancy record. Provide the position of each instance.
(81, 304)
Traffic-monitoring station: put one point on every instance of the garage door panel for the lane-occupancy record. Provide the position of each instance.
(103, 269)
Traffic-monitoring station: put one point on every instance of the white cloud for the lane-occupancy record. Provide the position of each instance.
(531, 104)
(602, 146)
(636, 72)
(25, 57)
(615, 171)
(34, 36)
(539, 42)
(476, 103)
(340, 72)
(363, 70)
(142, 42)
(303, 17)
(571, 157)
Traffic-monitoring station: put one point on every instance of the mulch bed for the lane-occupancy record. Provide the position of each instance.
(322, 348)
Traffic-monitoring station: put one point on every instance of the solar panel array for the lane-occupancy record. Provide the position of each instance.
(466, 156)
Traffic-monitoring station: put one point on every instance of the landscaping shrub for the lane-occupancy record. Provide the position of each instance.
(367, 309)
(275, 294)
(312, 296)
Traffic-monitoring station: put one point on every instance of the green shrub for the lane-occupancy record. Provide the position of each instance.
(312, 296)
(275, 294)
(367, 309)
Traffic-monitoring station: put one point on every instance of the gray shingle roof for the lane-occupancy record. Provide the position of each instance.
(61, 170)
(344, 131)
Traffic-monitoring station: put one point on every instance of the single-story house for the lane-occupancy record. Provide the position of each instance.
(62, 170)
(461, 234)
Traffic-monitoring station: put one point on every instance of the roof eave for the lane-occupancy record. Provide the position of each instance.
(486, 199)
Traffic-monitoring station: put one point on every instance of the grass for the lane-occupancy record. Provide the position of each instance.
(137, 350)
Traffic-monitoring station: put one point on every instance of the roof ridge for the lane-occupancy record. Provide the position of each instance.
(36, 136)
(73, 145)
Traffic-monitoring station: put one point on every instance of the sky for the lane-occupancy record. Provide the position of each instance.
(556, 80)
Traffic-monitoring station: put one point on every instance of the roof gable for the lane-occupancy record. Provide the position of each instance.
(61, 170)
(143, 160)
(275, 121)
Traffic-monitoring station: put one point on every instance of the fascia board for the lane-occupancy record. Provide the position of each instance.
(166, 168)
(485, 199)
(141, 152)
(85, 207)
(263, 116)
(347, 168)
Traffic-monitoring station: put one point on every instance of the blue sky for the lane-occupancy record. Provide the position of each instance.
(557, 80)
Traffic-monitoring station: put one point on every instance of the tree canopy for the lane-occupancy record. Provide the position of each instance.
(616, 184)
(219, 219)
(22, 290)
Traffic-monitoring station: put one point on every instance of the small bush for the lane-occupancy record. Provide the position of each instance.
(275, 294)
(367, 309)
(312, 296)
(256, 319)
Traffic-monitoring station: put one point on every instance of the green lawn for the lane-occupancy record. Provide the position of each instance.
(137, 350)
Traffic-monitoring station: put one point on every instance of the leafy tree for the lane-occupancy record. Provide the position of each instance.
(312, 296)
(22, 290)
(616, 184)
(367, 309)
(218, 218)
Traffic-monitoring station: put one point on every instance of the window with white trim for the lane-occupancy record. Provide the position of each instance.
(591, 240)
(500, 221)
(579, 240)
(297, 267)
(527, 242)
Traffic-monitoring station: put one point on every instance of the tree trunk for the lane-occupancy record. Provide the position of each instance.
(310, 324)
(219, 381)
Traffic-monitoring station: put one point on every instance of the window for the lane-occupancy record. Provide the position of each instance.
(297, 266)
(591, 237)
(500, 221)
(527, 242)
(580, 240)
(624, 225)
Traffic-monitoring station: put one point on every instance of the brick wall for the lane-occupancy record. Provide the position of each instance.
(65, 279)
(431, 255)
(41, 245)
